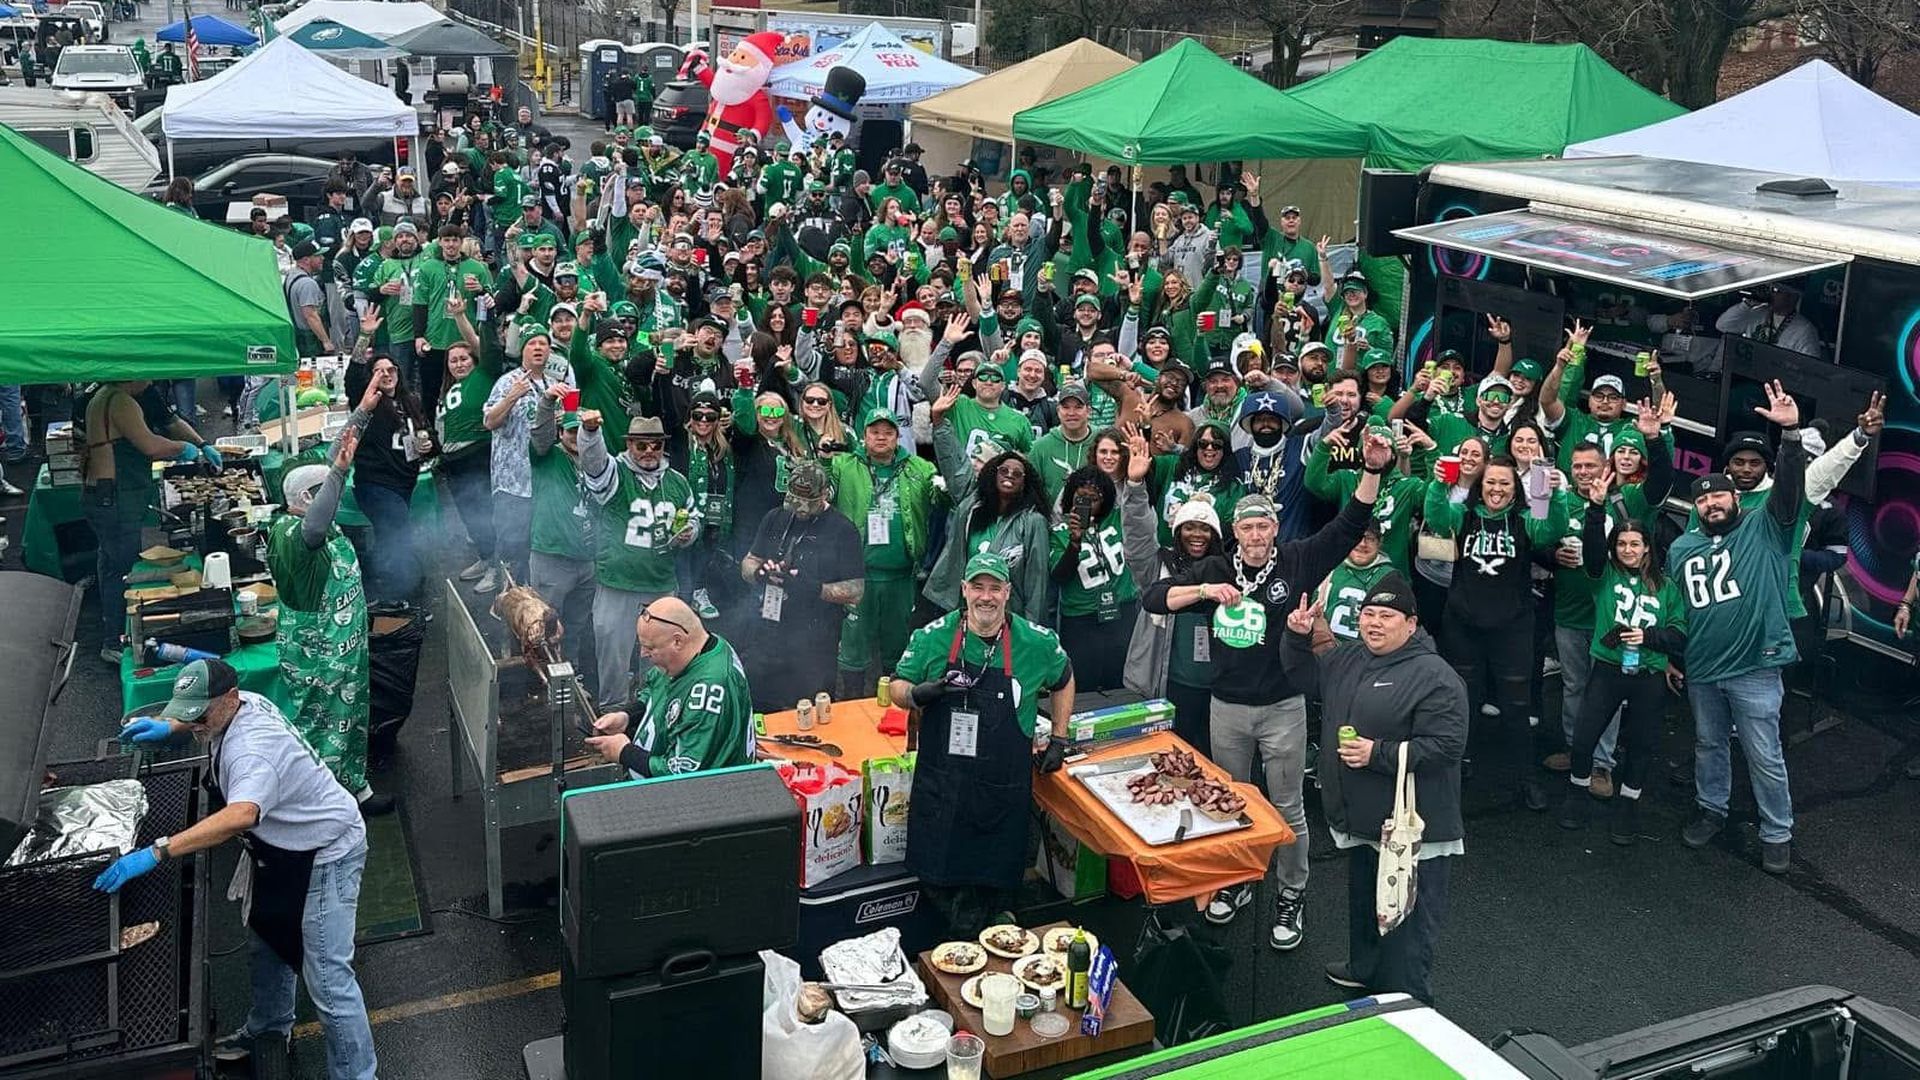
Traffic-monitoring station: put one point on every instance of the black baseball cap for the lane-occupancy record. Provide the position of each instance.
(1713, 482)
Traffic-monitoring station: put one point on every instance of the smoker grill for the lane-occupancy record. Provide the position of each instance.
(74, 1003)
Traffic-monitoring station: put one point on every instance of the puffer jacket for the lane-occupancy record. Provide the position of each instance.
(1409, 695)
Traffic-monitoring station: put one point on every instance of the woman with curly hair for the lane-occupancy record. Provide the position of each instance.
(998, 506)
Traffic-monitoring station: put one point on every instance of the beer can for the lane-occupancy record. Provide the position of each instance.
(803, 714)
(1347, 733)
(883, 692)
(823, 708)
(680, 517)
(1641, 363)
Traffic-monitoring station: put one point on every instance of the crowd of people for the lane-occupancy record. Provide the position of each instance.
(797, 427)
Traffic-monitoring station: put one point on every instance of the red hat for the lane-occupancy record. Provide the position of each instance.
(913, 305)
(766, 43)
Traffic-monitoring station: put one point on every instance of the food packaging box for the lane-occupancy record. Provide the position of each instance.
(270, 200)
(1116, 722)
(1075, 870)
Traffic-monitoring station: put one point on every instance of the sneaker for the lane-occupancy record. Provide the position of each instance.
(1560, 762)
(1575, 808)
(1549, 667)
(237, 1046)
(1602, 782)
(1227, 903)
(9, 489)
(1489, 709)
(1288, 920)
(1775, 858)
(1706, 825)
(472, 573)
(488, 582)
(111, 655)
(1533, 795)
(703, 605)
(1623, 823)
(1339, 975)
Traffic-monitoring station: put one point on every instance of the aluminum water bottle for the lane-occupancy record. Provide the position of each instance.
(169, 653)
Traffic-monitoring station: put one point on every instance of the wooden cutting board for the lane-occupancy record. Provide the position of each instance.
(1127, 1024)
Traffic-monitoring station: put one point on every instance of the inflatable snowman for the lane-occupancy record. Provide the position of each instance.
(831, 110)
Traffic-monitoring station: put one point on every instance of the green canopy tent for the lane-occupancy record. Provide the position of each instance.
(1187, 105)
(1426, 100)
(1459, 99)
(133, 290)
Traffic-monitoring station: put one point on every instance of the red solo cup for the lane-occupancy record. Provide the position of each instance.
(570, 401)
(1450, 468)
(1208, 321)
(810, 316)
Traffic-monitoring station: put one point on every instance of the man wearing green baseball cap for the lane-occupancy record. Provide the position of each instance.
(306, 849)
(976, 676)
(888, 495)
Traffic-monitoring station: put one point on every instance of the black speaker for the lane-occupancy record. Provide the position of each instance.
(706, 862)
(1387, 202)
(699, 1015)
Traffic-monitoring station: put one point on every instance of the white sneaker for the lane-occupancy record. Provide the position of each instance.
(1289, 920)
(473, 573)
(1489, 709)
(703, 605)
(1549, 667)
(1227, 903)
(488, 582)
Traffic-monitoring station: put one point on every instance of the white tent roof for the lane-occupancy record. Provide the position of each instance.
(375, 17)
(249, 100)
(896, 72)
(1812, 121)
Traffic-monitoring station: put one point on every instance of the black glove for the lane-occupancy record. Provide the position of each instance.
(1054, 755)
(926, 693)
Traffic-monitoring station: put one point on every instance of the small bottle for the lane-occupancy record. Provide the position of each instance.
(823, 708)
(176, 654)
(1079, 961)
(1629, 659)
(883, 692)
(1048, 1002)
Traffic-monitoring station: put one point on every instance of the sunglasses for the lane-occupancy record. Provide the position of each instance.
(816, 401)
(648, 616)
(705, 417)
(772, 412)
(1498, 396)
(1011, 470)
(1209, 446)
(647, 444)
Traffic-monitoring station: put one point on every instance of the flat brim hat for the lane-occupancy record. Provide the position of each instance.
(1607, 382)
(1713, 482)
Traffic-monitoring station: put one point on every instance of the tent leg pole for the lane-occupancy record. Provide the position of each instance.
(290, 426)
(170, 172)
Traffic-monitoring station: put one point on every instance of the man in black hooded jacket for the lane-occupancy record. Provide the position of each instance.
(1392, 688)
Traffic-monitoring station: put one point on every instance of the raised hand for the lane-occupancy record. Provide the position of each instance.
(1598, 487)
(1301, 619)
(1647, 420)
(956, 329)
(1377, 451)
(1500, 330)
(1875, 416)
(1780, 407)
(1579, 334)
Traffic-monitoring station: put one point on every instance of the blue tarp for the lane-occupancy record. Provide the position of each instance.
(211, 29)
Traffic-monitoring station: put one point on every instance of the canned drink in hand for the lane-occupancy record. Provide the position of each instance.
(1642, 363)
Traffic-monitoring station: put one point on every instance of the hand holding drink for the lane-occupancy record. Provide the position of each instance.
(1448, 468)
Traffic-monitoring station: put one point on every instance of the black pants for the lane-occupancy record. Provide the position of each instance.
(1402, 961)
(968, 909)
(1098, 650)
(1192, 715)
(1501, 657)
(1645, 697)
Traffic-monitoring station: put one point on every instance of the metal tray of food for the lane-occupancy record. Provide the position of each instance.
(1156, 823)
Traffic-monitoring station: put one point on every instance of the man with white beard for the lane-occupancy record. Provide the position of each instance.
(738, 90)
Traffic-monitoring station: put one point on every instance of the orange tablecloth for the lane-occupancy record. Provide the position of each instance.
(1179, 871)
(853, 729)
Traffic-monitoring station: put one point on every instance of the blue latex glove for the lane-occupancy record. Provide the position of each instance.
(189, 452)
(213, 457)
(146, 729)
(125, 869)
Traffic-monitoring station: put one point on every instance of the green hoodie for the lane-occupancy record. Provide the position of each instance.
(909, 480)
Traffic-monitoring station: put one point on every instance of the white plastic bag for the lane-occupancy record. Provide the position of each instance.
(791, 1050)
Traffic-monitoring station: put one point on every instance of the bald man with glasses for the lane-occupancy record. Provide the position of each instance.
(693, 712)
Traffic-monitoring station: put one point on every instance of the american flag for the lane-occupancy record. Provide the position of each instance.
(193, 50)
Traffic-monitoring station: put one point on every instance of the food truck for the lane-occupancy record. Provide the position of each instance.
(1659, 256)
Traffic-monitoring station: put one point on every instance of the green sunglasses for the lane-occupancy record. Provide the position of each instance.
(773, 412)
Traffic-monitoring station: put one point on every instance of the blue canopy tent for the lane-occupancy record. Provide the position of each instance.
(211, 29)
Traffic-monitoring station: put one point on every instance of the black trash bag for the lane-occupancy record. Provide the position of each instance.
(393, 663)
(1178, 977)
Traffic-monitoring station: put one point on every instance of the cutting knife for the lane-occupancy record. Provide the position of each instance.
(1186, 822)
(1117, 765)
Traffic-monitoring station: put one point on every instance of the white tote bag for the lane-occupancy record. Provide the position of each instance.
(1399, 867)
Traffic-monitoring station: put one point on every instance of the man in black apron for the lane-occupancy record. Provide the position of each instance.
(976, 675)
(300, 884)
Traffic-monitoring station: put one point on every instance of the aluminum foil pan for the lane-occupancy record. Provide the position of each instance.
(79, 820)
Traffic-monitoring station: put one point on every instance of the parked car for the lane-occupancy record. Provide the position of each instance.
(105, 69)
(678, 111)
(302, 180)
(92, 14)
(191, 157)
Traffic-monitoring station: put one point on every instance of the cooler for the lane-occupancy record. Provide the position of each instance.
(857, 903)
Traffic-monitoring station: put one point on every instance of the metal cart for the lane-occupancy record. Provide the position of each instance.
(520, 777)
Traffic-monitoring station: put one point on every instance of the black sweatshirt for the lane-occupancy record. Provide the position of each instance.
(1255, 676)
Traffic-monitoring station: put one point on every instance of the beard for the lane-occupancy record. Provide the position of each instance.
(733, 84)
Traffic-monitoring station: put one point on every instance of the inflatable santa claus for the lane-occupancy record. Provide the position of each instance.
(739, 92)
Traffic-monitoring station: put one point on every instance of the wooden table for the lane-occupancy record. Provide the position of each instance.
(1128, 1023)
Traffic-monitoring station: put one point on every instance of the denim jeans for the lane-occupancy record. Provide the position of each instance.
(1279, 732)
(1750, 702)
(327, 966)
(396, 570)
(182, 395)
(116, 536)
(1575, 646)
(13, 425)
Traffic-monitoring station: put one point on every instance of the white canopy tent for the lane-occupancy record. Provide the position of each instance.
(381, 20)
(1812, 121)
(897, 74)
(249, 100)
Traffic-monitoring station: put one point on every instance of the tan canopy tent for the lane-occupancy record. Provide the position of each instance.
(947, 123)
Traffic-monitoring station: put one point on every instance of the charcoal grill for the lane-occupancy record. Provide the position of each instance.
(76, 1004)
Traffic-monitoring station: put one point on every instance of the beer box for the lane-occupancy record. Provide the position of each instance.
(1116, 722)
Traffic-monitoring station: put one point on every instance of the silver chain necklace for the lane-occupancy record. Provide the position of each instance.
(1247, 588)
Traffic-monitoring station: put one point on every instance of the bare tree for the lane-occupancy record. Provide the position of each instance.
(1293, 27)
(1673, 46)
(1859, 35)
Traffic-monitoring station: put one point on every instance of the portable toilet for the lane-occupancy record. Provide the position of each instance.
(659, 59)
(599, 58)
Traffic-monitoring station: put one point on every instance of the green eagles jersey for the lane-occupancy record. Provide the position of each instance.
(1100, 582)
(781, 181)
(1624, 599)
(433, 280)
(974, 424)
(1736, 587)
(1379, 332)
(508, 190)
(1232, 301)
(878, 194)
(699, 719)
(562, 517)
(462, 410)
(634, 529)
(1038, 660)
(602, 387)
(397, 309)
(700, 170)
(1393, 508)
(1345, 589)
(1054, 456)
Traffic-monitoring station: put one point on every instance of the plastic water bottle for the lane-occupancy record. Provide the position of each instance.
(177, 654)
(1630, 660)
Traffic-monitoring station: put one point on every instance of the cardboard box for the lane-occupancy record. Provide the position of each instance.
(269, 200)
(1116, 722)
(1075, 870)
